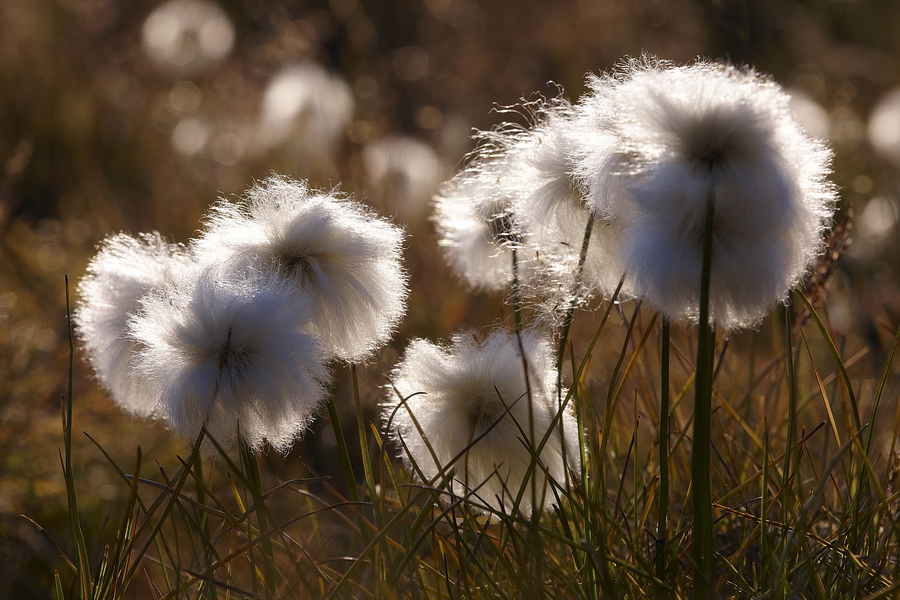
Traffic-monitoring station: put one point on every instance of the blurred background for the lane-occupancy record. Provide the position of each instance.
(136, 115)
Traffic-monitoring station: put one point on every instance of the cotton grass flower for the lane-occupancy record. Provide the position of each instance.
(324, 246)
(884, 127)
(550, 207)
(476, 227)
(522, 178)
(184, 37)
(230, 356)
(470, 389)
(405, 172)
(681, 133)
(306, 103)
(124, 269)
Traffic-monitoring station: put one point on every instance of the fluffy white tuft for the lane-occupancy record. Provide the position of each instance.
(308, 107)
(230, 357)
(187, 37)
(458, 393)
(404, 172)
(124, 269)
(679, 132)
(325, 246)
(550, 207)
(522, 179)
(475, 225)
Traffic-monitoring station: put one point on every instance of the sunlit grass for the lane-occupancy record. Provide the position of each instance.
(207, 528)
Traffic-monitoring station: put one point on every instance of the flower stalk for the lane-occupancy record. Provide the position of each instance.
(254, 482)
(662, 525)
(570, 311)
(516, 292)
(700, 455)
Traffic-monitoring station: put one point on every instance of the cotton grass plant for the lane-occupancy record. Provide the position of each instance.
(124, 269)
(683, 135)
(231, 359)
(329, 248)
(515, 219)
(723, 200)
(483, 410)
(556, 453)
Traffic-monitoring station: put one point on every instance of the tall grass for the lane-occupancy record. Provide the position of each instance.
(809, 516)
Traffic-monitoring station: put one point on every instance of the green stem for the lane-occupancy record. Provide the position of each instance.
(343, 453)
(83, 571)
(517, 297)
(792, 409)
(363, 442)
(663, 516)
(570, 312)
(702, 439)
(254, 482)
(786, 480)
(765, 559)
(346, 464)
(370, 477)
(203, 517)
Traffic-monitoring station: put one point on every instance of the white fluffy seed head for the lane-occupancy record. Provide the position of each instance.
(231, 357)
(325, 246)
(459, 392)
(678, 133)
(306, 105)
(403, 171)
(522, 177)
(551, 208)
(187, 37)
(475, 225)
(124, 269)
